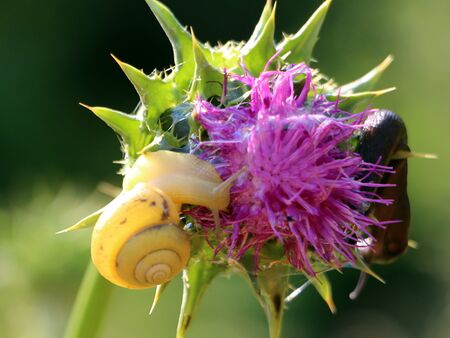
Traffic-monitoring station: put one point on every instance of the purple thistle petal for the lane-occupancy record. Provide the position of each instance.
(304, 186)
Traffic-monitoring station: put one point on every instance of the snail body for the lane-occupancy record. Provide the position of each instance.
(185, 178)
(137, 242)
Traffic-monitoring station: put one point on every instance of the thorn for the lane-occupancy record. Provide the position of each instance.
(159, 290)
(120, 63)
(88, 221)
(403, 154)
(265, 15)
(384, 91)
(62, 231)
(123, 124)
(413, 244)
(331, 305)
(297, 292)
(303, 41)
(367, 81)
(323, 287)
(194, 38)
(86, 106)
(261, 47)
(385, 63)
(363, 267)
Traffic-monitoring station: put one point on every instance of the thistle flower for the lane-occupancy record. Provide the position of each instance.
(254, 114)
(303, 183)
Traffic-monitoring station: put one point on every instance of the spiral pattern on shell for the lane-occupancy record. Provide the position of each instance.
(153, 256)
(136, 242)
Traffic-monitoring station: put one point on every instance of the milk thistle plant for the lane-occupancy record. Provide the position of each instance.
(243, 158)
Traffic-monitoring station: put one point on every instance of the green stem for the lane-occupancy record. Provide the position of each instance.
(90, 305)
(273, 285)
(196, 279)
(274, 319)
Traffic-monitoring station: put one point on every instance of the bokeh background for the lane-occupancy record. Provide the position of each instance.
(54, 54)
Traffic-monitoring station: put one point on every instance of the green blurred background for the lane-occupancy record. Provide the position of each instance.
(53, 154)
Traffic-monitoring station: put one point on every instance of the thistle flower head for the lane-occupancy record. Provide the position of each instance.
(282, 131)
(303, 184)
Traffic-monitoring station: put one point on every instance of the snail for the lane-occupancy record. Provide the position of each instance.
(137, 242)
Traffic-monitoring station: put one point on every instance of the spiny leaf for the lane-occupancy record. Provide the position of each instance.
(196, 279)
(156, 94)
(87, 222)
(123, 124)
(261, 46)
(323, 287)
(299, 47)
(265, 15)
(362, 266)
(159, 290)
(244, 267)
(129, 127)
(348, 102)
(208, 80)
(367, 82)
(181, 43)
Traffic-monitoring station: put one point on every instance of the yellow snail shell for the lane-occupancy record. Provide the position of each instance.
(137, 243)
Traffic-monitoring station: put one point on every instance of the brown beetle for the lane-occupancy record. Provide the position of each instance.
(383, 140)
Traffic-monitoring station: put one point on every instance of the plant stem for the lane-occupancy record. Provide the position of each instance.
(196, 279)
(275, 321)
(273, 284)
(90, 305)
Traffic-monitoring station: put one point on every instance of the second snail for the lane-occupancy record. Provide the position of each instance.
(244, 158)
